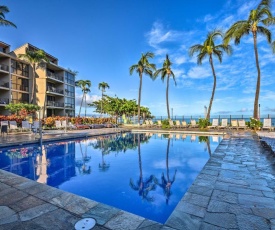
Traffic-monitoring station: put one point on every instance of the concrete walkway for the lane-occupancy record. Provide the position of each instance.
(235, 190)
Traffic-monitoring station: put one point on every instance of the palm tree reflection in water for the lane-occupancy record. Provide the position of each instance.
(143, 186)
(166, 183)
(207, 142)
(81, 164)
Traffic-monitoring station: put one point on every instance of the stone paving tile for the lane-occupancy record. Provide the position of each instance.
(256, 201)
(12, 197)
(206, 226)
(7, 215)
(224, 207)
(27, 225)
(124, 220)
(180, 220)
(37, 188)
(101, 213)
(36, 211)
(26, 203)
(224, 220)
(196, 199)
(224, 196)
(192, 209)
(150, 225)
(252, 222)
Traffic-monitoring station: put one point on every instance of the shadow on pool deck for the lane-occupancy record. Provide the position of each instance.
(235, 190)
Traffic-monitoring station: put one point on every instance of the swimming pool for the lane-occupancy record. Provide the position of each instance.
(143, 173)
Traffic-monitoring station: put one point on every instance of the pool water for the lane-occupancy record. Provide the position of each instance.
(143, 173)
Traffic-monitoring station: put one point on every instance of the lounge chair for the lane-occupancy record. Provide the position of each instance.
(224, 124)
(194, 124)
(178, 125)
(242, 124)
(215, 124)
(184, 124)
(215, 138)
(4, 127)
(159, 124)
(267, 124)
(71, 126)
(147, 124)
(64, 124)
(26, 126)
(13, 126)
(151, 123)
(171, 123)
(35, 126)
(234, 124)
(58, 124)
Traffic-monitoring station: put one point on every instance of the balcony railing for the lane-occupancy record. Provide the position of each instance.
(55, 76)
(4, 101)
(4, 67)
(4, 84)
(54, 90)
(70, 94)
(20, 87)
(68, 105)
(55, 104)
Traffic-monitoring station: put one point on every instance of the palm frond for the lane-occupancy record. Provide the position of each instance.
(218, 54)
(266, 32)
(194, 49)
(201, 57)
(4, 22)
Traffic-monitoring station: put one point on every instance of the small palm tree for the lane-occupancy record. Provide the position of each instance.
(255, 24)
(166, 71)
(102, 85)
(85, 87)
(3, 21)
(35, 58)
(208, 48)
(143, 67)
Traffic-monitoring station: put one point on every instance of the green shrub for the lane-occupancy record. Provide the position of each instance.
(165, 124)
(255, 124)
(203, 123)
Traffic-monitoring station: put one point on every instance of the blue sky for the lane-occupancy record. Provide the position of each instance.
(101, 39)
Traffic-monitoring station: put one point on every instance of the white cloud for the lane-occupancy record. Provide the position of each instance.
(89, 99)
(199, 72)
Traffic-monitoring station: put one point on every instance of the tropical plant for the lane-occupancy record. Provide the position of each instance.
(255, 24)
(3, 21)
(208, 48)
(203, 123)
(143, 67)
(166, 71)
(255, 123)
(102, 85)
(35, 58)
(16, 108)
(85, 87)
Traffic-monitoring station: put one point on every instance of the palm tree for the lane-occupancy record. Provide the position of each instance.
(85, 87)
(208, 48)
(143, 66)
(3, 21)
(255, 24)
(166, 71)
(102, 85)
(35, 58)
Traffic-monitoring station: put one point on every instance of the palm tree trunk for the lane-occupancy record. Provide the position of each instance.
(33, 84)
(256, 101)
(213, 90)
(208, 146)
(81, 104)
(139, 96)
(167, 99)
(85, 104)
(139, 160)
(101, 101)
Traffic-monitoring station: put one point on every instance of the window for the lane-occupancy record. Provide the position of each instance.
(19, 68)
(69, 78)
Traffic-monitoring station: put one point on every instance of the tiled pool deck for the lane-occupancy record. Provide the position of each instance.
(235, 190)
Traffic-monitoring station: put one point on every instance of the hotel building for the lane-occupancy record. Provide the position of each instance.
(55, 85)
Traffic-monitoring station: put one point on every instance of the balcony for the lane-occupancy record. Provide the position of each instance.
(4, 67)
(69, 106)
(4, 84)
(55, 104)
(20, 87)
(55, 76)
(4, 101)
(54, 90)
(69, 94)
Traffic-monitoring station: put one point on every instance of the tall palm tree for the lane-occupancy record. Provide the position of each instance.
(3, 21)
(209, 49)
(255, 24)
(143, 67)
(166, 71)
(102, 85)
(35, 58)
(85, 87)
